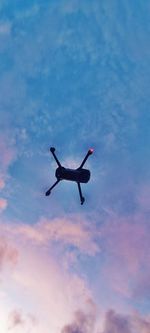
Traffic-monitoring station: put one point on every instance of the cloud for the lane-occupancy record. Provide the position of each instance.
(39, 283)
(142, 323)
(111, 322)
(141, 289)
(8, 152)
(15, 319)
(126, 251)
(8, 253)
(84, 322)
(124, 238)
(67, 231)
(3, 204)
(116, 323)
(61, 299)
(2, 183)
(18, 320)
(8, 155)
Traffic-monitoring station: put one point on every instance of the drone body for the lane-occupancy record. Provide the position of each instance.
(78, 175)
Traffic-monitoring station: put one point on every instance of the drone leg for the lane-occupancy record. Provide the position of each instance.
(49, 191)
(80, 193)
(52, 149)
(90, 152)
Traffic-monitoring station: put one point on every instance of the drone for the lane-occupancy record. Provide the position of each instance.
(78, 175)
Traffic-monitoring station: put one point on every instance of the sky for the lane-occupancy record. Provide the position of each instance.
(75, 75)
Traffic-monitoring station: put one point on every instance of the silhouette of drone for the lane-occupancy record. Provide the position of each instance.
(78, 175)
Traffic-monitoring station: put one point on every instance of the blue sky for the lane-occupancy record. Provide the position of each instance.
(75, 75)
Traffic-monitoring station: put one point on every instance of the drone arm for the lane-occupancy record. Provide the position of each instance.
(52, 149)
(49, 191)
(80, 193)
(90, 152)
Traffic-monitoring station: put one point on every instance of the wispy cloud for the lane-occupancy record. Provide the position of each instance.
(66, 231)
(126, 251)
(8, 253)
(3, 204)
(8, 155)
(8, 152)
(2, 183)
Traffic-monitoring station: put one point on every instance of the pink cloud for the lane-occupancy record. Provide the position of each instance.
(119, 323)
(19, 320)
(3, 204)
(128, 241)
(141, 289)
(66, 231)
(8, 253)
(123, 242)
(39, 283)
(84, 321)
(15, 319)
(116, 323)
(142, 323)
(8, 152)
(127, 256)
(2, 183)
(112, 322)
